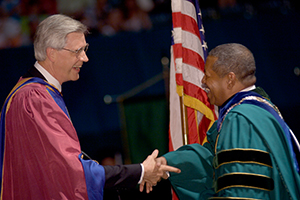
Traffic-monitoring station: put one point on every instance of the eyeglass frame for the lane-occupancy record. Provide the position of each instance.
(78, 51)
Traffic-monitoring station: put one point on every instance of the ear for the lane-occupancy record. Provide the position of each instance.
(231, 80)
(51, 54)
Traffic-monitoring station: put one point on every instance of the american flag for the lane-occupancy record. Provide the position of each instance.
(188, 55)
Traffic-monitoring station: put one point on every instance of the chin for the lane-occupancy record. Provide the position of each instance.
(212, 102)
(75, 78)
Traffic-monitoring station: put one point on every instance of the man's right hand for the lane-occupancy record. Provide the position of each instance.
(155, 169)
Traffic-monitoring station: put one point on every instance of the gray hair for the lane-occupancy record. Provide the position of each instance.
(234, 58)
(52, 32)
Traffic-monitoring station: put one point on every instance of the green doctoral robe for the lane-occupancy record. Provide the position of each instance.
(248, 156)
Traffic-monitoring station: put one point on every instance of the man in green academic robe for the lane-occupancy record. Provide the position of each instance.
(251, 153)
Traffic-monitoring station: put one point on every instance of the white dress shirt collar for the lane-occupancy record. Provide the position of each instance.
(248, 88)
(48, 76)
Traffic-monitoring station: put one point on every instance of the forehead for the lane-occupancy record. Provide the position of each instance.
(210, 60)
(75, 38)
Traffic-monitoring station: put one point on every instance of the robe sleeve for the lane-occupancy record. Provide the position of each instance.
(94, 177)
(196, 178)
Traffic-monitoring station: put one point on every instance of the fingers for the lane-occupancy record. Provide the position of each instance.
(149, 187)
(166, 175)
(154, 170)
(150, 164)
(154, 153)
(142, 186)
(161, 161)
(169, 169)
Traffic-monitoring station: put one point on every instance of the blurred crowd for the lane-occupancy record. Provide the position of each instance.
(19, 18)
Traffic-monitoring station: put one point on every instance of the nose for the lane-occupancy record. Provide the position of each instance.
(83, 57)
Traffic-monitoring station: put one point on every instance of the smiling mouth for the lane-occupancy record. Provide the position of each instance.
(207, 90)
(77, 67)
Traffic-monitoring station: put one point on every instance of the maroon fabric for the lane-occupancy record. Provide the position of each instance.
(41, 149)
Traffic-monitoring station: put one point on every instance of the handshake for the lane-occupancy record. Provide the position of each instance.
(155, 169)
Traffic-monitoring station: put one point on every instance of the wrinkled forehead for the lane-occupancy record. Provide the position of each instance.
(210, 61)
(76, 38)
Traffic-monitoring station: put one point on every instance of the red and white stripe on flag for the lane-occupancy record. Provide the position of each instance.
(188, 55)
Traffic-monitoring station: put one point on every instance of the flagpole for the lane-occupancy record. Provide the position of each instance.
(184, 122)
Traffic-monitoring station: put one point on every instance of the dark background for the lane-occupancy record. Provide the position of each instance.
(270, 29)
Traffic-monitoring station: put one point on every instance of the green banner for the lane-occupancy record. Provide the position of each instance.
(147, 123)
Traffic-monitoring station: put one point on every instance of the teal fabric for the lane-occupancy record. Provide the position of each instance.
(248, 127)
(192, 183)
(251, 127)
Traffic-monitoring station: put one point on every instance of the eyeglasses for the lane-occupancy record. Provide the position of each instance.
(78, 51)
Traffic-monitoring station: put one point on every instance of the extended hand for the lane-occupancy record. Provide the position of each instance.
(154, 171)
(162, 161)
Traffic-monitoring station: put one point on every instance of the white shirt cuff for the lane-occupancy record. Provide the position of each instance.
(142, 174)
